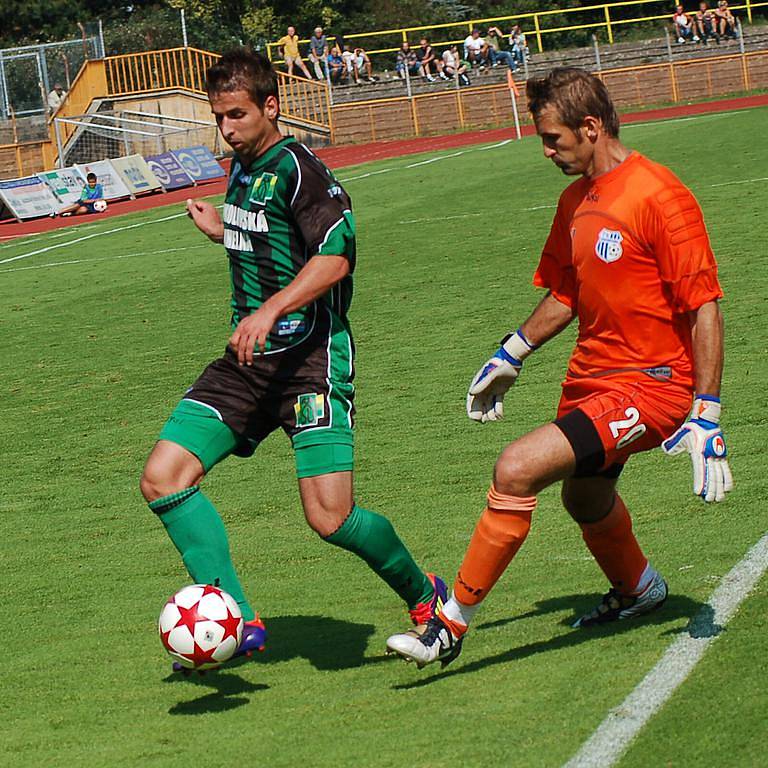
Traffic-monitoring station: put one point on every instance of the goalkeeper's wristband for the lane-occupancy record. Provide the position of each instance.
(706, 408)
(515, 347)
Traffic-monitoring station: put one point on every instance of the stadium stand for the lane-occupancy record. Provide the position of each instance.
(169, 84)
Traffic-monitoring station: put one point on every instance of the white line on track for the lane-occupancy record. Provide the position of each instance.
(614, 735)
(739, 181)
(89, 237)
(102, 258)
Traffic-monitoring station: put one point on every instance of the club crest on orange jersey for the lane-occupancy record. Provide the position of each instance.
(608, 246)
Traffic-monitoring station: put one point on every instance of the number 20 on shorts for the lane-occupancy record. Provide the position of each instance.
(631, 426)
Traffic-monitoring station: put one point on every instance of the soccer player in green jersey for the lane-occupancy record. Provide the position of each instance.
(289, 234)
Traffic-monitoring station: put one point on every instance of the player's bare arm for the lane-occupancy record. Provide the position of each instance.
(319, 275)
(549, 318)
(206, 219)
(707, 337)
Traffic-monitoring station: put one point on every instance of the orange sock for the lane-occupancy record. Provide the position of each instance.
(615, 548)
(499, 533)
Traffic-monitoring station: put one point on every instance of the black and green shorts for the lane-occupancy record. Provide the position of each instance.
(307, 390)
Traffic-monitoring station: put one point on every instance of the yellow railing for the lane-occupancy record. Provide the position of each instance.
(300, 99)
(534, 25)
(166, 70)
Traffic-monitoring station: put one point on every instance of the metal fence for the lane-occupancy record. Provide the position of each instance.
(28, 73)
(91, 137)
(549, 26)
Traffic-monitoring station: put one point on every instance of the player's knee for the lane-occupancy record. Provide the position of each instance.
(512, 474)
(158, 481)
(153, 485)
(325, 519)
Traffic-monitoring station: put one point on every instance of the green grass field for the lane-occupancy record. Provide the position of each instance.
(99, 339)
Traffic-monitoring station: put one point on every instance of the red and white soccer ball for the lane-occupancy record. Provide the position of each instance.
(100, 206)
(201, 626)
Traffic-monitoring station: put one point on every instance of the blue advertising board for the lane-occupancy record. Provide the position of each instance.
(199, 163)
(169, 171)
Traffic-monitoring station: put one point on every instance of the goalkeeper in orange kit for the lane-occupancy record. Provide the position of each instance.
(629, 256)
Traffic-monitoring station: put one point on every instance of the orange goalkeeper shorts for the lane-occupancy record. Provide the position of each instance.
(606, 420)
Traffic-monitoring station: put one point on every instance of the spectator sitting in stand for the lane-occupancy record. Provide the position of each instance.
(363, 62)
(288, 48)
(318, 53)
(407, 58)
(496, 51)
(519, 45)
(705, 24)
(425, 55)
(476, 50)
(337, 70)
(356, 60)
(683, 25)
(92, 192)
(349, 62)
(56, 97)
(454, 66)
(725, 21)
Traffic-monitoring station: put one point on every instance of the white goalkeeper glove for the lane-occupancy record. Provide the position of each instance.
(703, 439)
(485, 399)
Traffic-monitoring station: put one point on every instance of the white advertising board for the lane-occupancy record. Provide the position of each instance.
(136, 174)
(110, 180)
(65, 183)
(28, 198)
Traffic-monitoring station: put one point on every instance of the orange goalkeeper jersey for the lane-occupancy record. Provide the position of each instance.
(628, 251)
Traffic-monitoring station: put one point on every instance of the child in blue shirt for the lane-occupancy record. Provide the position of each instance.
(92, 192)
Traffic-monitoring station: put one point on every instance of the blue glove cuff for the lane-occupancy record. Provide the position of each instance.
(704, 424)
(504, 355)
(709, 398)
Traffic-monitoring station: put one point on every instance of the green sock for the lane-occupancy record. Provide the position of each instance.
(196, 529)
(372, 537)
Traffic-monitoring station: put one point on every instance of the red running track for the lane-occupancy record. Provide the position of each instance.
(340, 157)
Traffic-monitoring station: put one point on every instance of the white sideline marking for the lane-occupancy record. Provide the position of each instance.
(427, 161)
(704, 116)
(740, 181)
(614, 735)
(440, 218)
(101, 258)
(88, 237)
(467, 215)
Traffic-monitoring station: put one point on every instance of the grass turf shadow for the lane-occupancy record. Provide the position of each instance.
(227, 694)
(676, 607)
(328, 644)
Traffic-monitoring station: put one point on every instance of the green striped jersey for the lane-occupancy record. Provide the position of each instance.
(279, 212)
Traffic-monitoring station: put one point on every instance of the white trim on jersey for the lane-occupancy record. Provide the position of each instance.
(288, 149)
(328, 233)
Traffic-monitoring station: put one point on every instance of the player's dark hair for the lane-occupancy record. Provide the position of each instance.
(575, 94)
(91, 176)
(242, 69)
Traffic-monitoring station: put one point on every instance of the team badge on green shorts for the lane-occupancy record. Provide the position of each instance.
(309, 409)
